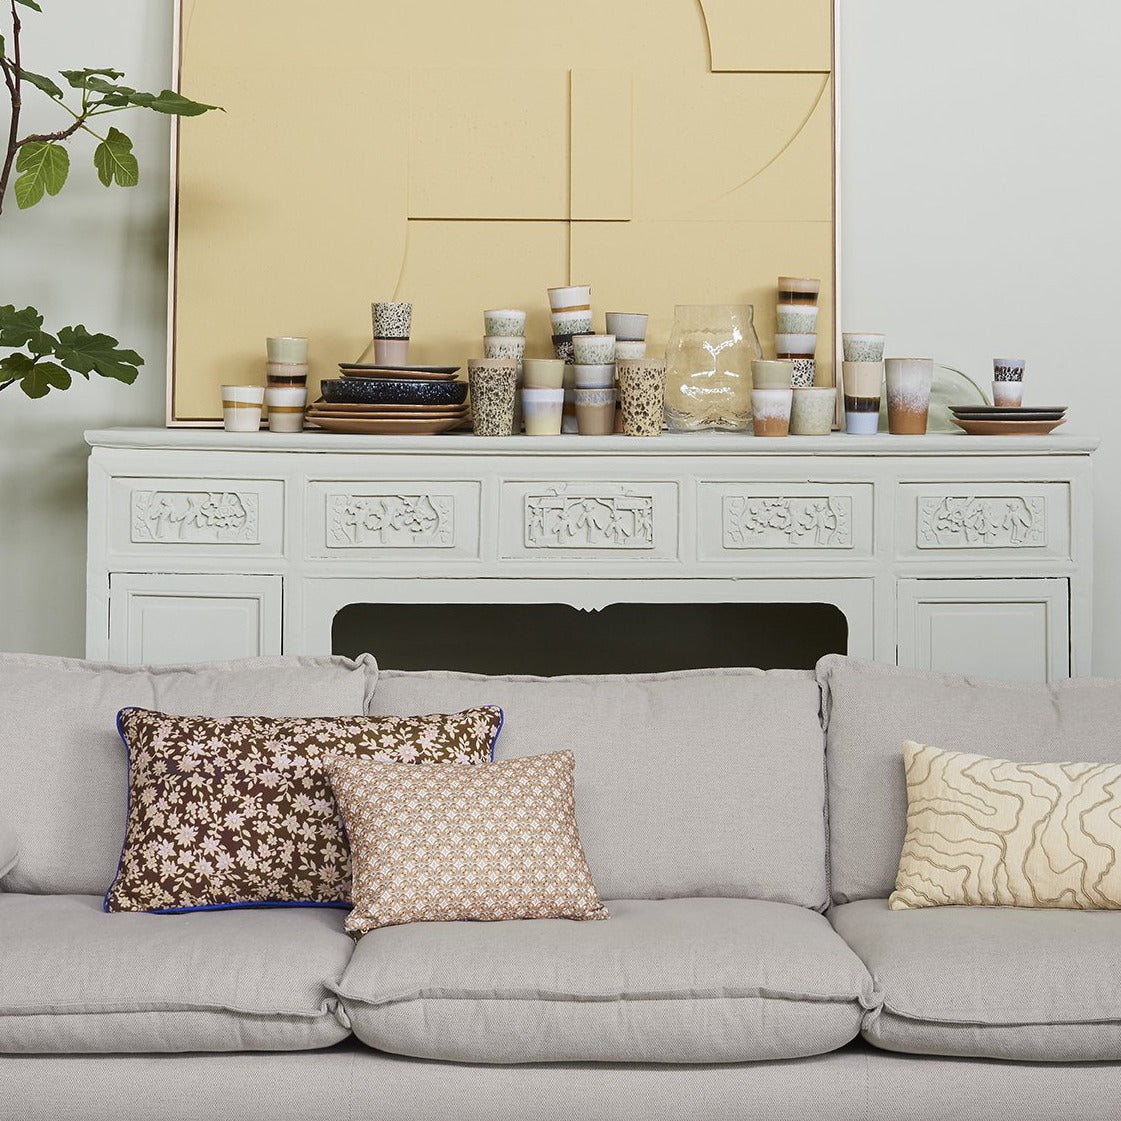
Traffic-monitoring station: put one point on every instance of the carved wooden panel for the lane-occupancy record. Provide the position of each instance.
(188, 517)
(589, 521)
(391, 521)
(964, 522)
(814, 522)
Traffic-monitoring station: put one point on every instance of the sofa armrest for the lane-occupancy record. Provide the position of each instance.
(9, 849)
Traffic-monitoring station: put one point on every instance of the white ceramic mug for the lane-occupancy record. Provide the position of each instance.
(286, 406)
(241, 407)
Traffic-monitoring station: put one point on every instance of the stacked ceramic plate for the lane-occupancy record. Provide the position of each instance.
(997, 420)
(391, 400)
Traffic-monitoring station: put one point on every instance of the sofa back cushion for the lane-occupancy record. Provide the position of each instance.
(872, 709)
(705, 783)
(63, 769)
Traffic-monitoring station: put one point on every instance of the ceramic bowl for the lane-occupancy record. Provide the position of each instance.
(795, 345)
(363, 391)
(629, 325)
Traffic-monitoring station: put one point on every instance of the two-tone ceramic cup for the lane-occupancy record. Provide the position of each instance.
(863, 387)
(796, 319)
(601, 376)
(286, 405)
(798, 289)
(543, 410)
(795, 346)
(770, 411)
(493, 384)
(1008, 382)
(595, 412)
(393, 323)
(630, 348)
(909, 382)
(241, 407)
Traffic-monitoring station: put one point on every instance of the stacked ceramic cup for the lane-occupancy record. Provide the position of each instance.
(494, 385)
(542, 398)
(863, 374)
(504, 337)
(594, 389)
(642, 394)
(772, 396)
(286, 391)
(1008, 382)
(629, 329)
(393, 323)
(796, 326)
(571, 310)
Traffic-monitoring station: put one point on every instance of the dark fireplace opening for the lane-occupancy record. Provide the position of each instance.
(549, 639)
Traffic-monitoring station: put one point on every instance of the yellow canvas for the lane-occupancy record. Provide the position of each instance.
(471, 156)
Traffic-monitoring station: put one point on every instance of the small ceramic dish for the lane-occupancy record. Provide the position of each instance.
(390, 392)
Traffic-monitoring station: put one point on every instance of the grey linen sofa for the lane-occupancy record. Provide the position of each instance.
(744, 828)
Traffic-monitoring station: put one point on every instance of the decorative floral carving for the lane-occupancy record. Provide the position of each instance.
(787, 523)
(195, 517)
(981, 523)
(589, 521)
(390, 521)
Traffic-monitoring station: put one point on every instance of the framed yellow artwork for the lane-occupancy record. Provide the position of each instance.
(469, 156)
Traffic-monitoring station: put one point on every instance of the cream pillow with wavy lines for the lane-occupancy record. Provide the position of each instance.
(993, 833)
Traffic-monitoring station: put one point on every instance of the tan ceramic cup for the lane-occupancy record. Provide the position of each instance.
(772, 373)
(642, 392)
(494, 384)
(543, 373)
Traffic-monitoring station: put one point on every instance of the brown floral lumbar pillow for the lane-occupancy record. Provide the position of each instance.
(238, 811)
(445, 843)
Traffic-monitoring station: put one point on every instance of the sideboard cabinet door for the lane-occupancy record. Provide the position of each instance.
(157, 618)
(1017, 630)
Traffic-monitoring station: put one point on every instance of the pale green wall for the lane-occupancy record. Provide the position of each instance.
(980, 188)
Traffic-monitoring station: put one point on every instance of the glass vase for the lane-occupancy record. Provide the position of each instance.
(708, 360)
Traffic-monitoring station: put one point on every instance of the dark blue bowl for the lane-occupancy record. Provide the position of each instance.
(389, 391)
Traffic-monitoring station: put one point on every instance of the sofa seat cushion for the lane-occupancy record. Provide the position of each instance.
(74, 979)
(990, 982)
(696, 783)
(661, 981)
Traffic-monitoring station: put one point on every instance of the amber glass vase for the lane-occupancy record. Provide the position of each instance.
(708, 367)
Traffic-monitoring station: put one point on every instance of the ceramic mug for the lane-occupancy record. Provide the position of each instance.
(862, 346)
(543, 373)
(909, 381)
(863, 386)
(504, 321)
(543, 410)
(392, 319)
(286, 406)
(642, 392)
(241, 407)
(812, 410)
(770, 410)
(772, 373)
(594, 350)
(493, 385)
(286, 348)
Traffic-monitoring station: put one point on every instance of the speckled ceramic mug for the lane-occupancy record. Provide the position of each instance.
(642, 393)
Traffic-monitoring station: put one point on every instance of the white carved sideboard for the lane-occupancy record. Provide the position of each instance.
(948, 552)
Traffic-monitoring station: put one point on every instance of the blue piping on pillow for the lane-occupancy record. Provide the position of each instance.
(498, 730)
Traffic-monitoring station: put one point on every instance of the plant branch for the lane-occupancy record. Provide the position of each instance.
(4, 384)
(16, 98)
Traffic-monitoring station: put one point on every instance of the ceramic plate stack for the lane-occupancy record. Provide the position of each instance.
(997, 420)
(391, 401)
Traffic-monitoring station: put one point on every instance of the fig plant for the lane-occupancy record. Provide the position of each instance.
(35, 359)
